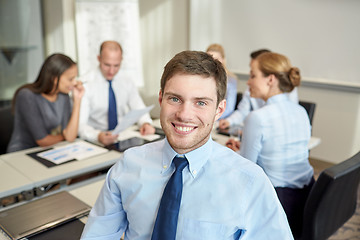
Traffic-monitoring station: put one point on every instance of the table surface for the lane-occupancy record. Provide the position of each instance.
(25, 173)
(12, 181)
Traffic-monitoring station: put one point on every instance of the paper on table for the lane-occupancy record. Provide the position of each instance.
(130, 133)
(77, 150)
(130, 118)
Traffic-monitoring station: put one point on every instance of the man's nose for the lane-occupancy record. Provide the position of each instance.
(184, 112)
(112, 70)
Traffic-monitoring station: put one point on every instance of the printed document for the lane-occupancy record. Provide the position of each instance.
(78, 150)
(130, 118)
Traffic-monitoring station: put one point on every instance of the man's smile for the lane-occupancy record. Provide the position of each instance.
(183, 129)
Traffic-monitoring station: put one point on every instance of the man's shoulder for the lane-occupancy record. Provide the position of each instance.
(145, 150)
(136, 158)
(232, 160)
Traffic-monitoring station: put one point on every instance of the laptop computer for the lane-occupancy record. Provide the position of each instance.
(40, 215)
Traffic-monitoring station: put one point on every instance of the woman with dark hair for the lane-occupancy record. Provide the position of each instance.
(43, 112)
(276, 136)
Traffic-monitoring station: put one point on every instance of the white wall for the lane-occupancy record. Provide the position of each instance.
(164, 32)
(59, 27)
(319, 37)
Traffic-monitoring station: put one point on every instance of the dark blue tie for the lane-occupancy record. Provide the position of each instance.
(112, 114)
(167, 217)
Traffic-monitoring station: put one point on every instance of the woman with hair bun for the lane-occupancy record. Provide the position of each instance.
(276, 136)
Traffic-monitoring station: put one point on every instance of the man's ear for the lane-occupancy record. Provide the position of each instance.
(98, 57)
(160, 97)
(220, 109)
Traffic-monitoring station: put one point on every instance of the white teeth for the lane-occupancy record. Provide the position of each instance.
(184, 129)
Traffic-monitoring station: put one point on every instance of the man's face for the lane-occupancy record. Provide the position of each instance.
(188, 111)
(110, 62)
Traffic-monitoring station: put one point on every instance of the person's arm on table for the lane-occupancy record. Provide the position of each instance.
(107, 138)
(71, 130)
(233, 144)
(242, 111)
(146, 129)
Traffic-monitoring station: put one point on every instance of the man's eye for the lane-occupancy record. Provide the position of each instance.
(174, 99)
(201, 103)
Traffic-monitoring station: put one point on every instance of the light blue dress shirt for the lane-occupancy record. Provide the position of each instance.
(231, 94)
(224, 196)
(248, 104)
(276, 137)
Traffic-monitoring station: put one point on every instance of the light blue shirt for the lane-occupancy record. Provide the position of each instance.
(224, 196)
(231, 94)
(248, 104)
(276, 137)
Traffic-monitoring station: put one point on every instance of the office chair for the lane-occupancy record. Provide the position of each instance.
(310, 109)
(332, 200)
(6, 127)
(238, 98)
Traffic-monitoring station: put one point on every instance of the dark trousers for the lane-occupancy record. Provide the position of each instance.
(293, 201)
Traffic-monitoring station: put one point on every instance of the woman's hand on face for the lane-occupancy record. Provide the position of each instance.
(79, 90)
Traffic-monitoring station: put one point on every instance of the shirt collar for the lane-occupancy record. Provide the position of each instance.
(277, 98)
(101, 76)
(196, 158)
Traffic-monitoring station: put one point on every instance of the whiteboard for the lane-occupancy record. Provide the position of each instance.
(98, 21)
(320, 37)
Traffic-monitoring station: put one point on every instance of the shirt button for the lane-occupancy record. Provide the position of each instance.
(194, 172)
(165, 166)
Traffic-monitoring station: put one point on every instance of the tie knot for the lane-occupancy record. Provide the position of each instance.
(110, 81)
(180, 163)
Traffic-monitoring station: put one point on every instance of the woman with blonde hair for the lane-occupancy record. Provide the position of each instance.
(218, 52)
(276, 136)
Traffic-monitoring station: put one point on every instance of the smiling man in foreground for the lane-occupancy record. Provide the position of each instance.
(218, 194)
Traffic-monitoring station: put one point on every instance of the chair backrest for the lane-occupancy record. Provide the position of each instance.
(332, 200)
(6, 127)
(310, 109)
(238, 98)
